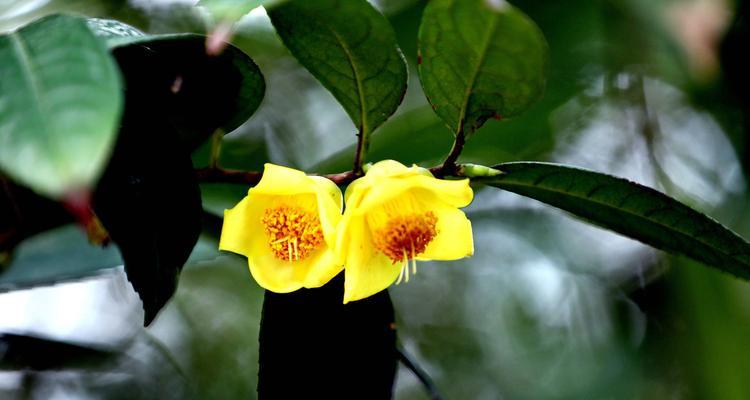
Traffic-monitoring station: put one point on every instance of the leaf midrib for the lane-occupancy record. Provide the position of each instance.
(475, 73)
(360, 88)
(27, 66)
(607, 205)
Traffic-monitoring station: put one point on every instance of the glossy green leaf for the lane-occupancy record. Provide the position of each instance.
(198, 93)
(60, 101)
(351, 49)
(630, 209)
(480, 59)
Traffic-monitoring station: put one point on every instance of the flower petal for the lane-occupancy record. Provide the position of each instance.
(323, 269)
(327, 186)
(236, 235)
(366, 195)
(282, 276)
(330, 202)
(456, 193)
(277, 275)
(387, 169)
(282, 181)
(454, 239)
(243, 230)
(366, 272)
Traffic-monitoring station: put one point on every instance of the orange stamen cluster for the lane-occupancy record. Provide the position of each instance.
(293, 232)
(406, 236)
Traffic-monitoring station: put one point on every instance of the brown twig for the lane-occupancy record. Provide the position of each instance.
(449, 166)
(251, 178)
(342, 178)
(359, 155)
(220, 175)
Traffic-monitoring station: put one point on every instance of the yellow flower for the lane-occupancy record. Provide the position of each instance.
(286, 227)
(395, 215)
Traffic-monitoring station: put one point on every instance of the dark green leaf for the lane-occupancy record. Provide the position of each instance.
(24, 213)
(351, 49)
(148, 198)
(198, 93)
(359, 335)
(54, 256)
(630, 209)
(60, 102)
(479, 59)
(27, 352)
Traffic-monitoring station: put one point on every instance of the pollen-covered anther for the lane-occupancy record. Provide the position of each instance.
(406, 236)
(293, 232)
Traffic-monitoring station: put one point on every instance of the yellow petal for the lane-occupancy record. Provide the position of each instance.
(281, 181)
(244, 231)
(366, 272)
(456, 193)
(323, 270)
(454, 239)
(381, 174)
(373, 193)
(366, 193)
(328, 187)
(355, 189)
(286, 276)
(387, 168)
(388, 189)
(330, 203)
(343, 239)
(236, 233)
(277, 275)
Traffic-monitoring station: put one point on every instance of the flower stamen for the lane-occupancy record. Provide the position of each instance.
(404, 237)
(293, 232)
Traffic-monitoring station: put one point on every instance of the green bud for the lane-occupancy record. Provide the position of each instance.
(476, 171)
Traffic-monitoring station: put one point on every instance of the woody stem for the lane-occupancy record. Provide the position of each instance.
(251, 178)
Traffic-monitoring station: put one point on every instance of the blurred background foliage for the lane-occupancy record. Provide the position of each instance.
(548, 308)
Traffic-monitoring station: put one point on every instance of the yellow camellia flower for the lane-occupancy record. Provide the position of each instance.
(395, 216)
(286, 227)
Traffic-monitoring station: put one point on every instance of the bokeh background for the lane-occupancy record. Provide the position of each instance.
(548, 308)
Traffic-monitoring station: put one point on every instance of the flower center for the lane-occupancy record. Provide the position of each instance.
(293, 232)
(406, 236)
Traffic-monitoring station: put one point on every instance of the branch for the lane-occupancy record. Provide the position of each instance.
(449, 166)
(251, 178)
(421, 375)
(362, 144)
(219, 175)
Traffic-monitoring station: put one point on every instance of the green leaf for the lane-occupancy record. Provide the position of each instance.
(359, 335)
(630, 209)
(199, 93)
(55, 256)
(60, 101)
(233, 10)
(479, 59)
(37, 353)
(351, 49)
(148, 198)
(24, 213)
